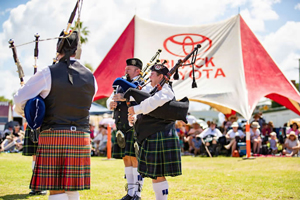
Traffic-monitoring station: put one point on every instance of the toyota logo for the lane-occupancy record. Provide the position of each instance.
(186, 42)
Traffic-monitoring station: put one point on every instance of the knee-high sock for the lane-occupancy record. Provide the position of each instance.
(33, 164)
(129, 178)
(73, 195)
(138, 180)
(62, 196)
(161, 190)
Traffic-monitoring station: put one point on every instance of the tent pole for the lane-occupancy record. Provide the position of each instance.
(248, 143)
(108, 142)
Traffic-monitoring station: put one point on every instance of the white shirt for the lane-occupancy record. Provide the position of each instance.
(158, 99)
(38, 84)
(256, 134)
(233, 134)
(216, 133)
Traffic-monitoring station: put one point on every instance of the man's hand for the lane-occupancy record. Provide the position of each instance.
(113, 105)
(131, 111)
(131, 119)
(119, 97)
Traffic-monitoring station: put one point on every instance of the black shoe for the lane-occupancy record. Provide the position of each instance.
(136, 197)
(34, 192)
(127, 197)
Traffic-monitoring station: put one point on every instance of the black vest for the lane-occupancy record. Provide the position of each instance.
(68, 105)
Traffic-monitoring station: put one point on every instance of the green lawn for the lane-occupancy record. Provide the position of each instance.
(203, 178)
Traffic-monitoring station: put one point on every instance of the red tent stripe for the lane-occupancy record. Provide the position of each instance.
(113, 65)
(262, 75)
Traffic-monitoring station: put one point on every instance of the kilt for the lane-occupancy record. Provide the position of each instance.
(160, 155)
(62, 161)
(118, 152)
(29, 148)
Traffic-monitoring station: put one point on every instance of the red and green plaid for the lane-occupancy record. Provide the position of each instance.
(62, 162)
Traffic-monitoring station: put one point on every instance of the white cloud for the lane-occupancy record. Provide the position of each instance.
(297, 7)
(284, 47)
(258, 12)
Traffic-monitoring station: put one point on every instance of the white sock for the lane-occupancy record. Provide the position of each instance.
(129, 178)
(161, 190)
(62, 196)
(73, 195)
(33, 164)
(137, 178)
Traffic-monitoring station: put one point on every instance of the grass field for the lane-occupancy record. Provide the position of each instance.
(203, 178)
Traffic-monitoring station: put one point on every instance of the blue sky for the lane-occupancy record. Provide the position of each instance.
(276, 23)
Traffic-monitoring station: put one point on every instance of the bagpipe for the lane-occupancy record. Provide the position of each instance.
(34, 109)
(142, 78)
(172, 110)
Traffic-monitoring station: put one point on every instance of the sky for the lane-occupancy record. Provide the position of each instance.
(276, 23)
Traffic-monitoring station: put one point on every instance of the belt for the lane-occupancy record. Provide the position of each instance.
(71, 128)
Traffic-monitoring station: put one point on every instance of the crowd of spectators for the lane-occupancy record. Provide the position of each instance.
(195, 139)
(227, 138)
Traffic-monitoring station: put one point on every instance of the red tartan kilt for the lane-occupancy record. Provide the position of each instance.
(62, 161)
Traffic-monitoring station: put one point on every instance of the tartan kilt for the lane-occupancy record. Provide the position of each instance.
(118, 152)
(160, 155)
(62, 161)
(29, 148)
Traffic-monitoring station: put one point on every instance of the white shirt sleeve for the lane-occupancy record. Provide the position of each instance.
(109, 100)
(38, 84)
(96, 87)
(158, 99)
(204, 133)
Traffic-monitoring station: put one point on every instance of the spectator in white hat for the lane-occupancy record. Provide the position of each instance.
(234, 135)
(291, 145)
(255, 137)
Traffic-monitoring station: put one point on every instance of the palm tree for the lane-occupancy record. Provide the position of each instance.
(84, 32)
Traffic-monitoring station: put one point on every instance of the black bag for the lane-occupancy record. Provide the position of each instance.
(264, 150)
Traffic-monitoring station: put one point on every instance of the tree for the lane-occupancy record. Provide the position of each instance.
(102, 101)
(84, 32)
(89, 66)
(3, 99)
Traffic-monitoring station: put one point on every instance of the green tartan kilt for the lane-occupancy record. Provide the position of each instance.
(29, 148)
(160, 155)
(118, 152)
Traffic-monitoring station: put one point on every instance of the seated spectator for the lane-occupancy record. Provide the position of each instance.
(273, 143)
(187, 128)
(11, 144)
(17, 132)
(195, 130)
(101, 140)
(228, 124)
(294, 127)
(255, 137)
(180, 132)
(211, 136)
(196, 143)
(234, 135)
(92, 130)
(292, 145)
(7, 132)
(265, 132)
